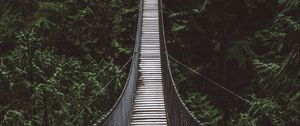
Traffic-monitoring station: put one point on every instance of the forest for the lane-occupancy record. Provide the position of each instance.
(57, 56)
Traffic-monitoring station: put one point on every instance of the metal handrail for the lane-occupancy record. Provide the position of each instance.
(177, 112)
(120, 113)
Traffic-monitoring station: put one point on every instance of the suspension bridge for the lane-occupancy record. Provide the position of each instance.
(150, 97)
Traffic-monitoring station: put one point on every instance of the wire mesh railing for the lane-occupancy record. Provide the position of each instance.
(120, 113)
(177, 113)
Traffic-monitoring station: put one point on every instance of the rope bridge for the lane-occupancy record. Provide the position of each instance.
(149, 97)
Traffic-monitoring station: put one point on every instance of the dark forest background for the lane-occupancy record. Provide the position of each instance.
(56, 57)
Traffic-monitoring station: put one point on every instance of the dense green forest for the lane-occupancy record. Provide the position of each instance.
(56, 57)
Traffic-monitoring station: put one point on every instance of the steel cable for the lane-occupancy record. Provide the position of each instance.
(210, 80)
(177, 112)
(108, 83)
(121, 111)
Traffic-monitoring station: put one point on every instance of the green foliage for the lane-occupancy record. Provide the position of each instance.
(8, 20)
(261, 112)
(57, 56)
(178, 28)
(289, 3)
(244, 119)
(119, 48)
(271, 77)
(249, 46)
(268, 111)
(14, 118)
(241, 52)
(291, 114)
(69, 86)
(278, 66)
(203, 109)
